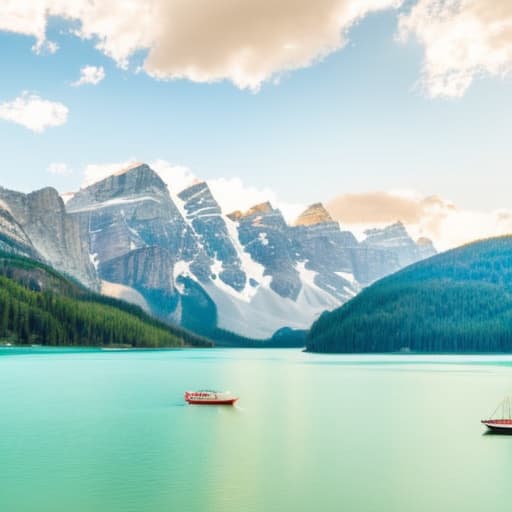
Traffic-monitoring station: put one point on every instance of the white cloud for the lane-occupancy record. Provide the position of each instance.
(254, 41)
(90, 75)
(59, 168)
(176, 177)
(462, 39)
(45, 47)
(28, 18)
(246, 42)
(257, 40)
(34, 112)
(233, 194)
(464, 226)
(433, 217)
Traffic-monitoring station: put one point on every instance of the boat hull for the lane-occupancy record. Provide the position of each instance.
(499, 426)
(209, 398)
(230, 401)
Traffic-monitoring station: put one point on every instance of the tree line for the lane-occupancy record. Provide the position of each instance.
(38, 306)
(459, 301)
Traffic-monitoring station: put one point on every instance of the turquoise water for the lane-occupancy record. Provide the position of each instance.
(84, 430)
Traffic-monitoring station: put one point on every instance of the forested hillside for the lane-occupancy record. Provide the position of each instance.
(458, 301)
(40, 306)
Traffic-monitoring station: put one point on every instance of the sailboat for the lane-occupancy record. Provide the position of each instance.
(501, 419)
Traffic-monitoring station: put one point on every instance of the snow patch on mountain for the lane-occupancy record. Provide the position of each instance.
(306, 276)
(94, 260)
(263, 238)
(348, 276)
(112, 202)
(126, 293)
(254, 271)
(181, 269)
(267, 312)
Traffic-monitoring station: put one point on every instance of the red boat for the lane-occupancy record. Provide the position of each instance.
(501, 418)
(208, 397)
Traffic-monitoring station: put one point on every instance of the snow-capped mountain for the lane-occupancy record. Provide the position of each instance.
(248, 272)
(176, 254)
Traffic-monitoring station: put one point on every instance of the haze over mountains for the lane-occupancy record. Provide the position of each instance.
(175, 252)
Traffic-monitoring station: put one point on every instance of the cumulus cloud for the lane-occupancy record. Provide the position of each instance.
(231, 193)
(34, 112)
(45, 47)
(251, 41)
(59, 168)
(90, 75)
(176, 177)
(245, 42)
(27, 18)
(433, 217)
(462, 39)
(377, 207)
(256, 40)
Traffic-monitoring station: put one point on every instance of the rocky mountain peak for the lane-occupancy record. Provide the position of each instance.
(425, 247)
(259, 209)
(205, 216)
(198, 199)
(424, 241)
(397, 226)
(393, 231)
(135, 180)
(47, 199)
(396, 238)
(314, 214)
(39, 221)
(130, 167)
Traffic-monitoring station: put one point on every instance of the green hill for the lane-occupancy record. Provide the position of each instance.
(458, 301)
(40, 306)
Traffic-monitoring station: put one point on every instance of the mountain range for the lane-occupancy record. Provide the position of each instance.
(176, 253)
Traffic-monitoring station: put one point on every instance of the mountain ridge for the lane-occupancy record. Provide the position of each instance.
(248, 272)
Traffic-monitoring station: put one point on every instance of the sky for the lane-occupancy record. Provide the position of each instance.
(300, 101)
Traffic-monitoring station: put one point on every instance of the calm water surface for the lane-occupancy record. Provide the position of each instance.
(108, 431)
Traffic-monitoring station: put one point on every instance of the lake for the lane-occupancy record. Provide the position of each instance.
(90, 430)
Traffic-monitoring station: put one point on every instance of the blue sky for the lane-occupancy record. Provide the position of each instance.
(355, 121)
